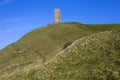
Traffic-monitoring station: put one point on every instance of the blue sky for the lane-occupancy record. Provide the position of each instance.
(18, 17)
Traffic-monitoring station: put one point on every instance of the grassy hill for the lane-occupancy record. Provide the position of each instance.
(103, 27)
(40, 45)
(90, 58)
(37, 52)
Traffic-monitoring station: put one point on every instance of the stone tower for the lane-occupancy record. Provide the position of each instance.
(57, 16)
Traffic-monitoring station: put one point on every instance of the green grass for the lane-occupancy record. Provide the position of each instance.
(103, 27)
(91, 58)
(37, 55)
(40, 45)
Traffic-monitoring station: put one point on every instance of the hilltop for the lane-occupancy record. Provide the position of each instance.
(50, 50)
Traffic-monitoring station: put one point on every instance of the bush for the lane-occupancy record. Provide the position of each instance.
(67, 44)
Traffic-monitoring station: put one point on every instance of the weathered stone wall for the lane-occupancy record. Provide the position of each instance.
(57, 16)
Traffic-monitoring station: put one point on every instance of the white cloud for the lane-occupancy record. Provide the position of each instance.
(3, 2)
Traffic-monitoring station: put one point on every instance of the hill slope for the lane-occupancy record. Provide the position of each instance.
(27, 58)
(103, 27)
(93, 57)
(40, 45)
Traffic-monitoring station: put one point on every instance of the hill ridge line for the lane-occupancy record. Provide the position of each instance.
(59, 53)
(70, 46)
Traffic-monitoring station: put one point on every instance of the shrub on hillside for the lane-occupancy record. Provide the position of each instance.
(67, 44)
